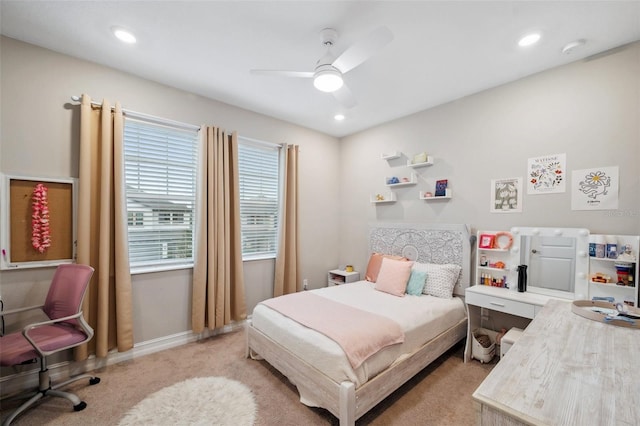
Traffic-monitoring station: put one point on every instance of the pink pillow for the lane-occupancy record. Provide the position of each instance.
(375, 261)
(394, 276)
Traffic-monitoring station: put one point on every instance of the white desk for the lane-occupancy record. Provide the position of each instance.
(564, 370)
(525, 305)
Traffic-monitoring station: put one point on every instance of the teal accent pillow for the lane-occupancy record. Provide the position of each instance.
(416, 282)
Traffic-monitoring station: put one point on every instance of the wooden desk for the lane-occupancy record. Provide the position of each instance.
(565, 370)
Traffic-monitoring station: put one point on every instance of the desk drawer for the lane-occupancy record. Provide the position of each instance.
(507, 306)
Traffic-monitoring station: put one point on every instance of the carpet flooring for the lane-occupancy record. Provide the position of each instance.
(439, 395)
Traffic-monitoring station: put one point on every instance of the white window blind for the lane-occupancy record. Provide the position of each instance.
(259, 176)
(160, 178)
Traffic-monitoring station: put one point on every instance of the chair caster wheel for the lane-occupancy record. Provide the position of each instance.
(94, 380)
(80, 406)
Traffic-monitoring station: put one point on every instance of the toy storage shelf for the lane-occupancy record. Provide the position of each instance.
(412, 180)
(427, 163)
(447, 196)
(383, 197)
(390, 155)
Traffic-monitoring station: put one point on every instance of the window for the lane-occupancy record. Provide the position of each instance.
(160, 179)
(259, 173)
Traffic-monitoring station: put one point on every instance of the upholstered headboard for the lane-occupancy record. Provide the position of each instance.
(426, 243)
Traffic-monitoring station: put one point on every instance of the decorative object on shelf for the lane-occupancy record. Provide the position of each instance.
(522, 278)
(486, 241)
(611, 251)
(419, 158)
(600, 246)
(625, 273)
(349, 268)
(600, 277)
(401, 181)
(383, 197)
(503, 240)
(626, 253)
(441, 187)
(483, 261)
(428, 194)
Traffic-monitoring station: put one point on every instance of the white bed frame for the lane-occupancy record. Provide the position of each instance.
(421, 242)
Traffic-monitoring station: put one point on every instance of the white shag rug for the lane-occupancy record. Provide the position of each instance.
(199, 401)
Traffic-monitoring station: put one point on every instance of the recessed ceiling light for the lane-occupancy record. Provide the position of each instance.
(123, 35)
(571, 47)
(338, 117)
(529, 39)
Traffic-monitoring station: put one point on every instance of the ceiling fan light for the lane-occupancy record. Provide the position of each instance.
(328, 80)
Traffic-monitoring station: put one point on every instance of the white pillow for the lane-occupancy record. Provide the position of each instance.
(441, 279)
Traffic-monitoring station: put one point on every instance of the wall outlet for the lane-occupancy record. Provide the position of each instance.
(305, 283)
(484, 313)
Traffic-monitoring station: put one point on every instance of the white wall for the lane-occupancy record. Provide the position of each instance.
(589, 110)
(40, 137)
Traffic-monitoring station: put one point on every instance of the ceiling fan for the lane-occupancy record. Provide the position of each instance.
(329, 70)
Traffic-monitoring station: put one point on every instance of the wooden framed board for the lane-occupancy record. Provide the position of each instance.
(17, 209)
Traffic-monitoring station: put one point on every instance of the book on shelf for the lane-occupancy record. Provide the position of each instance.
(441, 188)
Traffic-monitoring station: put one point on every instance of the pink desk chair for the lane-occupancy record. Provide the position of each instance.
(65, 329)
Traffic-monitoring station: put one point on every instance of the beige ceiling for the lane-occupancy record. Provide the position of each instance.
(441, 51)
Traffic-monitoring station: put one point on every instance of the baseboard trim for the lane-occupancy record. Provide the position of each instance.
(23, 380)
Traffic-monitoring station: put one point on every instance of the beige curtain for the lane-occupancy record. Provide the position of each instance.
(102, 229)
(218, 283)
(287, 276)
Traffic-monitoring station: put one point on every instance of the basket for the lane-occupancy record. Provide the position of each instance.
(478, 351)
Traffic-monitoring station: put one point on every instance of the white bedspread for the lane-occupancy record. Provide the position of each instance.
(421, 317)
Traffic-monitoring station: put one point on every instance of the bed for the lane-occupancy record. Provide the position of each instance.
(317, 365)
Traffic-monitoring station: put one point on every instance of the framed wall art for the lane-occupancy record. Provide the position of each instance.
(38, 221)
(506, 195)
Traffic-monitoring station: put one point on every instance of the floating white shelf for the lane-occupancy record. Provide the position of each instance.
(410, 181)
(429, 162)
(383, 197)
(441, 197)
(391, 155)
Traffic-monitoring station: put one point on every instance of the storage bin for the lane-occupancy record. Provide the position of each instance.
(509, 339)
(478, 351)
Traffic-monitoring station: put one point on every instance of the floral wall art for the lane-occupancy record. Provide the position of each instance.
(506, 195)
(595, 188)
(546, 174)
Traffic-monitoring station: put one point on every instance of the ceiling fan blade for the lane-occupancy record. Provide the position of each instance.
(363, 49)
(283, 73)
(345, 97)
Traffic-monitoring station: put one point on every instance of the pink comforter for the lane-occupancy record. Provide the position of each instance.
(359, 333)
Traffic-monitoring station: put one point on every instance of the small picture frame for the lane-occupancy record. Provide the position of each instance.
(486, 241)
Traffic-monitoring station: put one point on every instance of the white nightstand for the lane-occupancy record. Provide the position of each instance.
(337, 277)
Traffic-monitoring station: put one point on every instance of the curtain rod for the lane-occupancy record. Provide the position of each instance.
(263, 143)
(147, 117)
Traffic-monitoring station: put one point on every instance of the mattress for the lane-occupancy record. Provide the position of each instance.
(422, 318)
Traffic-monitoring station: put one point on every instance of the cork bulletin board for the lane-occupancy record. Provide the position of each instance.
(18, 250)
